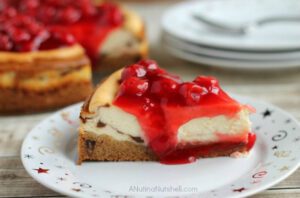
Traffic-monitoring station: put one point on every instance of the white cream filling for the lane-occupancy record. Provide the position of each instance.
(121, 125)
(118, 124)
(120, 42)
(207, 129)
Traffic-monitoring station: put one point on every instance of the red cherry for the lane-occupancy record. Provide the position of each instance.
(70, 15)
(206, 81)
(134, 70)
(26, 47)
(47, 14)
(64, 37)
(151, 67)
(116, 17)
(19, 35)
(87, 8)
(3, 4)
(29, 4)
(109, 14)
(58, 3)
(192, 92)
(164, 85)
(10, 12)
(21, 21)
(134, 86)
(34, 28)
(5, 43)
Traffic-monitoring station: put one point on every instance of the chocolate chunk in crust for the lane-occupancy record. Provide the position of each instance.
(90, 146)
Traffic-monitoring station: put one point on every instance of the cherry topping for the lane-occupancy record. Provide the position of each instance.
(162, 103)
(29, 4)
(206, 81)
(86, 8)
(109, 13)
(9, 12)
(5, 43)
(23, 33)
(192, 92)
(20, 35)
(135, 70)
(134, 86)
(29, 25)
(251, 141)
(4, 4)
(164, 85)
(151, 66)
(47, 14)
(70, 15)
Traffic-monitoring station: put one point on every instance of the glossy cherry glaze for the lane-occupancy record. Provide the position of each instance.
(48, 24)
(163, 102)
(22, 33)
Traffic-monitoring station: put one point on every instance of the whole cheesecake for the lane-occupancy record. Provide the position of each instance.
(110, 34)
(144, 113)
(47, 50)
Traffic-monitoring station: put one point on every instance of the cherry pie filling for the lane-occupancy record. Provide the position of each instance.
(30, 25)
(163, 102)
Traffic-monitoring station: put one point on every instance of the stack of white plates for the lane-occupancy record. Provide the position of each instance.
(272, 46)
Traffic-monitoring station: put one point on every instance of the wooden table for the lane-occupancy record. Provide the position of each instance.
(281, 88)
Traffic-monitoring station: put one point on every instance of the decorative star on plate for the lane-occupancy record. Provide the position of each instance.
(297, 139)
(288, 121)
(35, 137)
(239, 189)
(267, 113)
(275, 147)
(76, 189)
(41, 170)
(27, 156)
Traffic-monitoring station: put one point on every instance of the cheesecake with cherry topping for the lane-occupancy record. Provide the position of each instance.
(143, 113)
(40, 68)
(110, 34)
(47, 49)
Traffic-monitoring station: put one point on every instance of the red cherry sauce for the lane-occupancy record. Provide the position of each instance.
(29, 25)
(163, 102)
(22, 33)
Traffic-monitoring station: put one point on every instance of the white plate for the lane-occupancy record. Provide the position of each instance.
(230, 54)
(177, 21)
(231, 63)
(49, 155)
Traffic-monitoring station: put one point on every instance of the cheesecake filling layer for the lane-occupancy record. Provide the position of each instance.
(47, 79)
(123, 126)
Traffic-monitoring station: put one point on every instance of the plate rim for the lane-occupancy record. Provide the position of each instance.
(230, 63)
(228, 54)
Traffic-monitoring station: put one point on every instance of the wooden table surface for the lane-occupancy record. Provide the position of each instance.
(281, 88)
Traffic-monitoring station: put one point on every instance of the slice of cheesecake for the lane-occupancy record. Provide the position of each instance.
(144, 113)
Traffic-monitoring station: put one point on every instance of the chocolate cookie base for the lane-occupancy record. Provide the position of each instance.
(92, 147)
